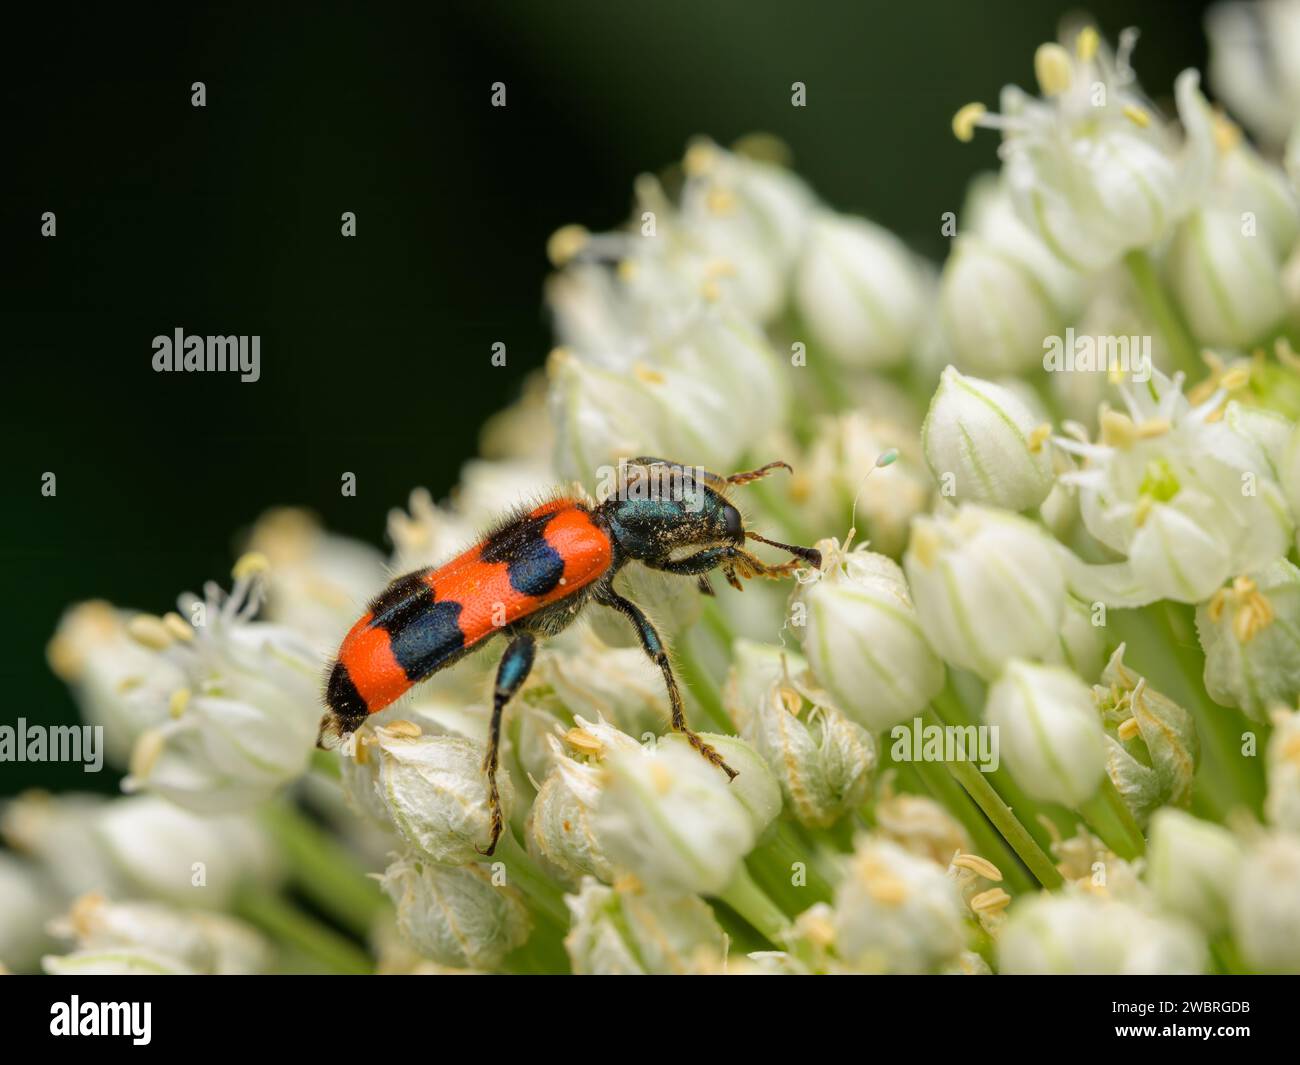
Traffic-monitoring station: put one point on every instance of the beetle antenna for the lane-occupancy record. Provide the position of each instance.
(808, 554)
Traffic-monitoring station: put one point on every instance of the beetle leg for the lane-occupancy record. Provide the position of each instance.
(703, 585)
(654, 648)
(511, 674)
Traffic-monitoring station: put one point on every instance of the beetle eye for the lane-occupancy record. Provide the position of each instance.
(732, 525)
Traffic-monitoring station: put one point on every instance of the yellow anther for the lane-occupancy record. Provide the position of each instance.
(1117, 429)
(1128, 729)
(582, 741)
(791, 700)
(980, 866)
(1235, 379)
(990, 901)
(250, 565)
(1038, 436)
(645, 374)
(627, 270)
(1154, 427)
(566, 243)
(178, 702)
(965, 121)
(1227, 134)
(178, 626)
(407, 730)
(1137, 115)
(1053, 68)
(700, 158)
(925, 545)
(145, 753)
(1142, 511)
(150, 631)
(1087, 43)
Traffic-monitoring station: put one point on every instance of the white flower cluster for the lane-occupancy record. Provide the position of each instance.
(1035, 712)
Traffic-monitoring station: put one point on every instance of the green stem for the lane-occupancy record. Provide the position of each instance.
(748, 899)
(988, 842)
(969, 777)
(323, 869)
(1167, 319)
(701, 685)
(772, 864)
(286, 924)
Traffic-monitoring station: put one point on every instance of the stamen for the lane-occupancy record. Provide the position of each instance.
(150, 631)
(981, 866)
(1087, 43)
(178, 702)
(1137, 115)
(566, 243)
(1053, 68)
(965, 121)
(250, 565)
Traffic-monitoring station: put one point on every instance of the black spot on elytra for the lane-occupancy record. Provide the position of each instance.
(405, 598)
(425, 640)
(342, 697)
(534, 566)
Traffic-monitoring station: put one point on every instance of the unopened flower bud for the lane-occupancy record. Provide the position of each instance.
(983, 440)
(861, 292)
(623, 930)
(1282, 806)
(864, 642)
(1265, 917)
(988, 587)
(1051, 934)
(1049, 732)
(670, 818)
(456, 915)
(1192, 868)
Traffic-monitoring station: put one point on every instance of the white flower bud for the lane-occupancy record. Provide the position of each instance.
(988, 587)
(1051, 934)
(624, 931)
(860, 292)
(190, 941)
(1252, 64)
(61, 834)
(26, 904)
(864, 642)
(1282, 806)
(1250, 632)
(671, 819)
(755, 786)
(1003, 292)
(1050, 734)
(561, 831)
(435, 791)
(896, 913)
(1265, 917)
(1226, 280)
(989, 445)
(168, 853)
(1151, 742)
(822, 760)
(456, 915)
(1192, 868)
(754, 668)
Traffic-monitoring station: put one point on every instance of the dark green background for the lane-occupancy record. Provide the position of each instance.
(375, 351)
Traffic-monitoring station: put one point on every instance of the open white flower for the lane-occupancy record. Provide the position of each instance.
(1186, 498)
(245, 722)
(1092, 167)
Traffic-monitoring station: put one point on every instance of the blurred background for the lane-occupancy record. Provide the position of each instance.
(376, 351)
